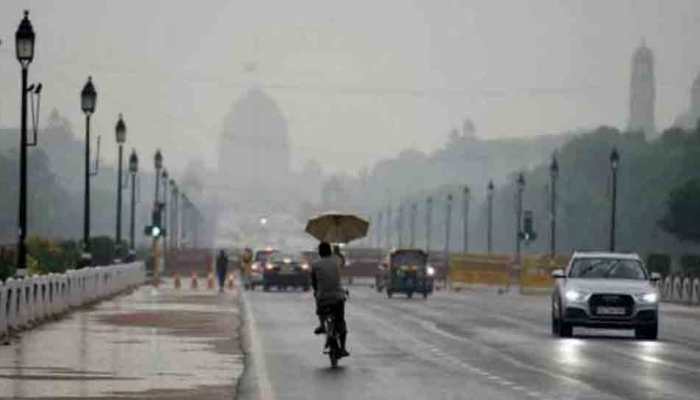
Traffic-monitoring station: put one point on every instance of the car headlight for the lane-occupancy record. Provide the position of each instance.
(255, 266)
(648, 298)
(305, 266)
(269, 266)
(575, 295)
(430, 271)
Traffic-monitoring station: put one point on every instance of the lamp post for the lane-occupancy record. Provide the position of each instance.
(133, 170)
(379, 230)
(173, 214)
(553, 176)
(164, 216)
(428, 222)
(24, 46)
(414, 208)
(399, 225)
(158, 161)
(519, 215)
(88, 99)
(388, 227)
(120, 131)
(614, 164)
(465, 218)
(448, 225)
(489, 218)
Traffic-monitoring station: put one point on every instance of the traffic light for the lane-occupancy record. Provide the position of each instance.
(528, 234)
(155, 230)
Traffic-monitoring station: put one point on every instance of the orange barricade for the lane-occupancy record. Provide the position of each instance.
(478, 269)
(536, 274)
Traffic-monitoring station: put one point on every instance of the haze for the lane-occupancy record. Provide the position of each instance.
(357, 81)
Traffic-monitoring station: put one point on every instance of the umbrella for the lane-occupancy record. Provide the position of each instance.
(337, 228)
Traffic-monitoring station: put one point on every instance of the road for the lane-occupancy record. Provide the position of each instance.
(469, 345)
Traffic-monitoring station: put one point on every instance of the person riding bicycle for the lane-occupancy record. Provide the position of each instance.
(329, 293)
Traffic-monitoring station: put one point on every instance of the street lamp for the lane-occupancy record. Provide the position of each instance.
(24, 46)
(120, 132)
(519, 215)
(88, 99)
(158, 161)
(465, 218)
(133, 170)
(174, 218)
(379, 230)
(428, 222)
(448, 220)
(614, 164)
(388, 227)
(489, 218)
(165, 212)
(414, 208)
(553, 176)
(399, 225)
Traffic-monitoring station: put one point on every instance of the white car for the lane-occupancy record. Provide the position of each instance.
(605, 290)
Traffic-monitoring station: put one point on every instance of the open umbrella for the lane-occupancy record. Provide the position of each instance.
(337, 228)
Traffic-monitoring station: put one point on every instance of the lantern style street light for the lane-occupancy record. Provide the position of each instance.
(133, 170)
(519, 215)
(88, 100)
(614, 164)
(489, 218)
(120, 132)
(24, 46)
(553, 176)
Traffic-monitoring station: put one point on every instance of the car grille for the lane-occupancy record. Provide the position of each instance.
(611, 300)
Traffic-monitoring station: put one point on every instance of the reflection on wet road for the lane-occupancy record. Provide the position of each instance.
(471, 345)
(152, 343)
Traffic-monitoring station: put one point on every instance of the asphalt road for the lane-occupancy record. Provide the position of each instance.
(469, 345)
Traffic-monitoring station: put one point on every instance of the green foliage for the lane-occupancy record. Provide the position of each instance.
(103, 250)
(660, 263)
(7, 263)
(47, 256)
(690, 265)
(682, 218)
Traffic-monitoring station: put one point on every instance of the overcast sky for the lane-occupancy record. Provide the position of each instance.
(357, 80)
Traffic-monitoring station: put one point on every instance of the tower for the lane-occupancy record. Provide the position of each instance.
(642, 93)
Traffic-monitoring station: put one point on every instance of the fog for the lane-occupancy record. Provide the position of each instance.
(357, 81)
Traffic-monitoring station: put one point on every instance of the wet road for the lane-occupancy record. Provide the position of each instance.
(163, 344)
(473, 345)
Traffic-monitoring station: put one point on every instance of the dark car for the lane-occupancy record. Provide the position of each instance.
(406, 271)
(284, 270)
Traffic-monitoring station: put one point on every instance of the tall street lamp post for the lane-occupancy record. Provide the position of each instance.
(120, 131)
(414, 208)
(399, 225)
(133, 170)
(24, 46)
(489, 218)
(614, 164)
(164, 216)
(388, 227)
(173, 214)
(519, 215)
(448, 220)
(158, 161)
(553, 176)
(428, 222)
(465, 219)
(88, 99)
(378, 230)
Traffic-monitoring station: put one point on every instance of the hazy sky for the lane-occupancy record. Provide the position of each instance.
(357, 80)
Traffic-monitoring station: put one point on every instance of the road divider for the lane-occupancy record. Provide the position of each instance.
(27, 302)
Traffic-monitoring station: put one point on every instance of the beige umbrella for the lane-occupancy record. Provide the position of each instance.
(337, 228)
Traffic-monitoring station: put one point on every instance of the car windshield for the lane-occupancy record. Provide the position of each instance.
(285, 258)
(262, 256)
(409, 257)
(607, 268)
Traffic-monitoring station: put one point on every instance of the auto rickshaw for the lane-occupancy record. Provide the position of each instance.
(406, 271)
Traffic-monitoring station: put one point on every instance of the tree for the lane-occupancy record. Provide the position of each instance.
(682, 217)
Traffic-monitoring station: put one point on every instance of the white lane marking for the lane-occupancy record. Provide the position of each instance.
(265, 390)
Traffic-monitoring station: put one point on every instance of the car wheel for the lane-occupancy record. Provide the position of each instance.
(649, 332)
(409, 295)
(306, 288)
(425, 295)
(266, 288)
(565, 329)
(388, 293)
(555, 323)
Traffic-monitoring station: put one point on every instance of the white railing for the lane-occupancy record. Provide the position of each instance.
(680, 289)
(26, 302)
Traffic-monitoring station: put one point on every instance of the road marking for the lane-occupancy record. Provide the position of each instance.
(262, 378)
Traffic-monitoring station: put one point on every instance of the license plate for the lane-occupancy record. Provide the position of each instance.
(611, 311)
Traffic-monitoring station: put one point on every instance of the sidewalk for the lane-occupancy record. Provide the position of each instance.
(151, 344)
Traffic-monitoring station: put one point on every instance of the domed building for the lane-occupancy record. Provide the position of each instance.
(254, 148)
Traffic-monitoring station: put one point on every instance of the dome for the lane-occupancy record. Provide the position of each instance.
(255, 141)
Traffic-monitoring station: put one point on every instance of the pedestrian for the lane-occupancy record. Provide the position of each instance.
(221, 269)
